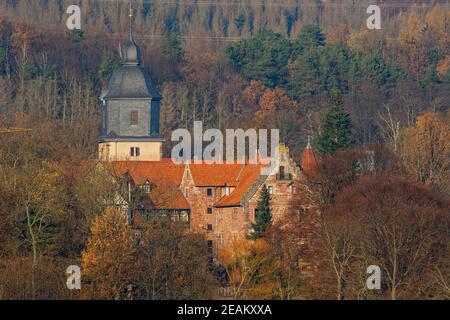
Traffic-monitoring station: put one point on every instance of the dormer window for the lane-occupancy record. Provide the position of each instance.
(134, 117)
(146, 187)
(135, 151)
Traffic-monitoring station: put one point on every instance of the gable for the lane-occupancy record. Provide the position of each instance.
(250, 176)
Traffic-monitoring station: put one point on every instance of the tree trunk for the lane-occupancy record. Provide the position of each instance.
(33, 245)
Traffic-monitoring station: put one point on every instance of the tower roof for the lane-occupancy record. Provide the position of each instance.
(131, 81)
(131, 53)
(309, 162)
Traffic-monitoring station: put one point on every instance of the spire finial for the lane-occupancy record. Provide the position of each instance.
(131, 15)
(308, 146)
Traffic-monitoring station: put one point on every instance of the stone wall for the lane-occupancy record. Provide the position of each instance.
(229, 223)
(118, 116)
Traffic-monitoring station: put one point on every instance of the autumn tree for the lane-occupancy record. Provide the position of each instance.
(277, 110)
(172, 263)
(402, 228)
(340, 235)
(250, 269)
(39, 220)
(95, 189)
(332, 236)
(290, 244)
(415, 46)
(35, 210)
(109, 258)
(426, 148)
(320, 186)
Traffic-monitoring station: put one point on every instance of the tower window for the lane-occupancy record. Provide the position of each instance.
(209, 210)
(134, 117)
(135, 151)
(209, 227)
(209, 192)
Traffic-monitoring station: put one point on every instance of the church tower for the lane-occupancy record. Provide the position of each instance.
(130, 111)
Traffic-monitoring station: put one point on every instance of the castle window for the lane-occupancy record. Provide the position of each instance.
(135, 151)
(134, 117)
(209, 210)
(209, 227)
(209, 192)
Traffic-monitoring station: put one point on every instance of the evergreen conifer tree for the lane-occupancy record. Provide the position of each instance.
(263, 215)
(171, 47)
(335, 128)
(108, 65)
(311, 36)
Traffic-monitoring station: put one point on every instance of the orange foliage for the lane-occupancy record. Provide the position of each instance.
(426, 148)
(443, 66)
(250, 268)
(109, 256)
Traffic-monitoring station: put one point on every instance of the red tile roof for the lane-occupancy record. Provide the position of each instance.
(240, 176)
(248, 176)
(215, 175)
(165, 175)
(142, 171)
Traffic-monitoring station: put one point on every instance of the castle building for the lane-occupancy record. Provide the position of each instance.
(218, 200)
